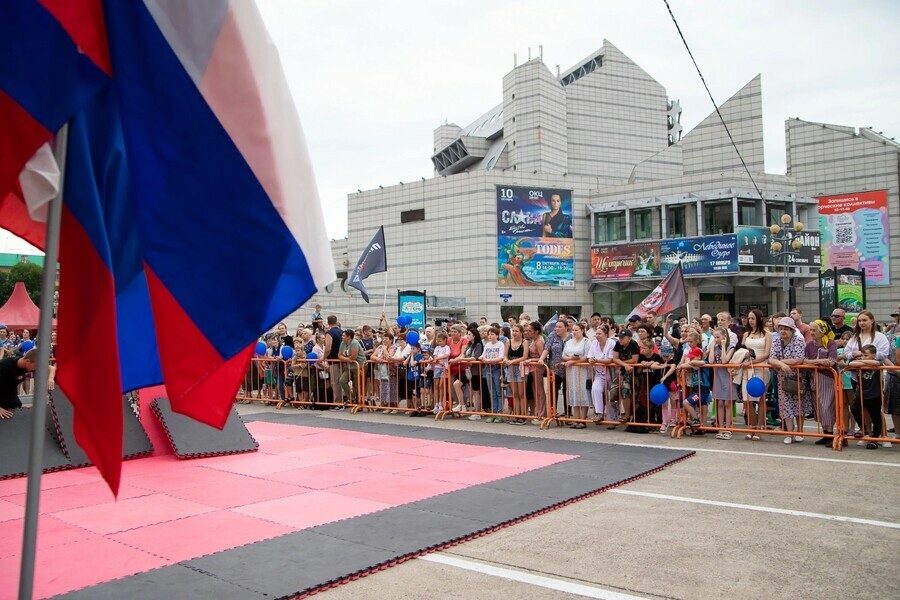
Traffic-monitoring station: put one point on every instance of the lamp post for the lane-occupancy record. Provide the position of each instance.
(786, 243)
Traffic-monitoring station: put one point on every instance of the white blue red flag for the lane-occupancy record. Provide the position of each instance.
(191, 220)
(372, 260)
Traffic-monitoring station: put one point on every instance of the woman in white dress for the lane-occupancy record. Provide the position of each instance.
(759, 340)
(601, 354)
(574, 352)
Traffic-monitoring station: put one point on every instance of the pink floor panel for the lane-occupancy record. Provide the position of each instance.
(171, 510)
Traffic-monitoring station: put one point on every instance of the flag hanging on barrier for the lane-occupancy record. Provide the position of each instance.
(191, 219)
(372, 260)
(670, 294)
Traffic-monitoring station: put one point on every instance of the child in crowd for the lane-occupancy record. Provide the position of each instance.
(493, 355)
(871, 385)
(847, 384)
(695, 400)
(440, 363)
(648, 376)
(299, 374)
(415, 376)
(668, 378)
(723, 388)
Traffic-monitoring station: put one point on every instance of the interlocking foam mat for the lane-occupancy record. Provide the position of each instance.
(193, 439)
(339, 498)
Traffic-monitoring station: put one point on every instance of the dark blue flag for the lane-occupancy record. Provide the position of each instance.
(373, 260)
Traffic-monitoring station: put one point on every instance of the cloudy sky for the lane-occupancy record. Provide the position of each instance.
(372, 80)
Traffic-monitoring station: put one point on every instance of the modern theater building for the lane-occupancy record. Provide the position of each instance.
(578, 192)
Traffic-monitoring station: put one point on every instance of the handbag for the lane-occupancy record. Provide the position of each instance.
(790, 384)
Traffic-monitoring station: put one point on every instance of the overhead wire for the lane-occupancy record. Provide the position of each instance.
(716, 106)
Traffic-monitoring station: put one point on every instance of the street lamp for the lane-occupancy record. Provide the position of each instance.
(786, 243)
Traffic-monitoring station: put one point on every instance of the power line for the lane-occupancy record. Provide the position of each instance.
(716, 106)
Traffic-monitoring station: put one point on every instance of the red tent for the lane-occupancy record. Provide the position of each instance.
(20, 312)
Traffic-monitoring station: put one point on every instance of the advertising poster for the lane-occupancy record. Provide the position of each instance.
(855, 234)
(535, 245)
(625, 261)
(701, 255)
(412, 304)
(755, 248)
(851, 290)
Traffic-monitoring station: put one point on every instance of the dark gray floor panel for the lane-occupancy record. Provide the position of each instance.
(15, 436)
(291, 563)
(176, 581)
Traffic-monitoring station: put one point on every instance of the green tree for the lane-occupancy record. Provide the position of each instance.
(5, 287)
(28, 273)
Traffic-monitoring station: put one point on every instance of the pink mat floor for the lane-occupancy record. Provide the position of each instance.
(171, 510)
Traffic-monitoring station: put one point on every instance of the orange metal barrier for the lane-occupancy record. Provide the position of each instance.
(595, 393)
(815, 395)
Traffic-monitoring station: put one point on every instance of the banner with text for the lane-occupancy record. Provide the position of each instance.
(412, 303)
(535, 245)
(625, 261)
(755, 248)
(706, 255)
(855, 234)
(698, 256)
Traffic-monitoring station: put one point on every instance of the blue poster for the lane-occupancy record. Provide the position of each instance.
(412, 304)
(701, 255)
(535, 244)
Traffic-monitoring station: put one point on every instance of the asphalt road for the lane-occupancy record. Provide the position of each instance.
(738, 520)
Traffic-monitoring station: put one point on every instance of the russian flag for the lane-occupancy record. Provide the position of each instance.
(191, 219)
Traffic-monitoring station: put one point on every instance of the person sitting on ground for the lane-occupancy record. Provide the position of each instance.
(13, 371)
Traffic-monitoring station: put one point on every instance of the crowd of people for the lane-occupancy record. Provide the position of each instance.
(600, 371)
(18, 360)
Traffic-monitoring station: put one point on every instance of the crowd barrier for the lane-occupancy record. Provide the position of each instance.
(707, 399)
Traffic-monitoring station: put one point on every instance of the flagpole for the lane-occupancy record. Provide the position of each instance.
(41, 376)
(687, 300)
(384, 300)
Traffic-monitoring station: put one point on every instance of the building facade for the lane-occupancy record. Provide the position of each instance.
(604, 139)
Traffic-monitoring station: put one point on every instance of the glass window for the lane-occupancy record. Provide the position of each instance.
(717, 218)
(774, 212)
(676, 222)
(609, 227)
(747, 213)
(642, 224)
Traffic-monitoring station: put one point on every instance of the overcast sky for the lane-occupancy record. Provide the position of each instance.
(372, 80)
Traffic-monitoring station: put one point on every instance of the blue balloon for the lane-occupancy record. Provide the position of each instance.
(27, 345)
(261, 348)
(412, 337)
(756, 387)
(287, 353)
(312, 356)
(659, 394)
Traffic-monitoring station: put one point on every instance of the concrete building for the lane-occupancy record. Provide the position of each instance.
(606, 133)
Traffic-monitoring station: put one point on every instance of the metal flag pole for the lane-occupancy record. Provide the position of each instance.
(42, 373)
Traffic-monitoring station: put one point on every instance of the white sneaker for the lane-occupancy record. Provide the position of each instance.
(456, 408)
(886, 445)
(535, 422)
(788, 440)
(474, 417)
(798, 439)
(861, 443)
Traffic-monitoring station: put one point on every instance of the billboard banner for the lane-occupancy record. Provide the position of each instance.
(755, 248)
(706, 255)
(855, 234)
(698, 256)
(625, 261)
(412, 304)
(535, 245)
